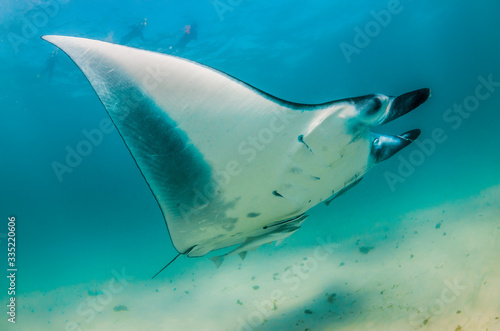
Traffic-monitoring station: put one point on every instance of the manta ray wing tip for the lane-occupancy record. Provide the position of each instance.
(49, 37)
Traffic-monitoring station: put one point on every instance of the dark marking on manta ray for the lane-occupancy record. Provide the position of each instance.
(253, 214)
(301, 139)
(277, 194)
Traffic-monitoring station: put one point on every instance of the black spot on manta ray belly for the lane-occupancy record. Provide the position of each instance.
(251, 215)
(301, 139)
(277, 194)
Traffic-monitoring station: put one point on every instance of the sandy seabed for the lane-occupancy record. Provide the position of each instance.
(438, 270)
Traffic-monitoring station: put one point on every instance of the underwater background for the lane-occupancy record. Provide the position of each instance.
(425, 219)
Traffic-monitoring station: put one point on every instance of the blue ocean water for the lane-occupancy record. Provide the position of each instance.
(102, 216)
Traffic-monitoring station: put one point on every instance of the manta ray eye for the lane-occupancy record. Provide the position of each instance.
(372, 106)
(376, 105)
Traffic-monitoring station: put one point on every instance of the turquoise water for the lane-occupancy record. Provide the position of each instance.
(102, 216)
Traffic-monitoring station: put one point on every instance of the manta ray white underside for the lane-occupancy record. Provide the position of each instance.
(230, 164)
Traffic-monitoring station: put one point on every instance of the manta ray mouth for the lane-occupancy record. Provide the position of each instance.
(385, 146)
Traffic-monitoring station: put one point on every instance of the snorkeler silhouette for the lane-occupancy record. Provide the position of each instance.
(50, 65)
(190, 33)
(136, 31)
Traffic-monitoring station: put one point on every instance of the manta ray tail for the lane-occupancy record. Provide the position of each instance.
(166, 265)
(342, 191)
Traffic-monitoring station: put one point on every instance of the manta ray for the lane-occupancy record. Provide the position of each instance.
(228, 163)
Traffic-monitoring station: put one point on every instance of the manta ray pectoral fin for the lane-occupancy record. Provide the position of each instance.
(243, 255)
(170, 113)
(172, 165)
(385, 146)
